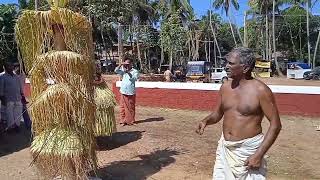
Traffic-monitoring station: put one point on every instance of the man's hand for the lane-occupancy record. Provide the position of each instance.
(202, 125)
(254, 162)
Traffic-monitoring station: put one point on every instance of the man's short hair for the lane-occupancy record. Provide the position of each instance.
(246, 56)
(128, 58)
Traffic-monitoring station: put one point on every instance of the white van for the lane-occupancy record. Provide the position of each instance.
(218, 74)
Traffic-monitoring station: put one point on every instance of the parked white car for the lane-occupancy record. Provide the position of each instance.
(218, 74)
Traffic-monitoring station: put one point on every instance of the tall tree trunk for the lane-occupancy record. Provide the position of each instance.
(291, 37)
(209, 51)
(131, 37)
(189, 49)
(147, 59)
(215, 38)
(161, 56)
(193, 46)
(112, 54)
(109, 55)
(232, 32)
(267, 36)
(103, 41)
(274, 38)
(215, 55)
(170, 59)
(315, 51)
(270, 44)
(139, 54)
(245, 44)
(137, 43)
(261, 46)
(120, 45)
(36, 5)
(206, 49)
(197, 36)
(308, 33)
(238, 31)
(300, 39)
(213, 31)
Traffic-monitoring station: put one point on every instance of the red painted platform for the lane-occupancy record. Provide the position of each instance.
(291, 100)
(290, 103)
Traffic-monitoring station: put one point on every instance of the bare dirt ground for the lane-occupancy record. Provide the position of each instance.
(164, 146)
(289, 82)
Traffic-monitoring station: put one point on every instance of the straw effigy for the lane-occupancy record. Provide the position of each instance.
(105, 117)
(57, 45)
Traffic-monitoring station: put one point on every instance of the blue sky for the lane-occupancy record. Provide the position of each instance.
(201, 6)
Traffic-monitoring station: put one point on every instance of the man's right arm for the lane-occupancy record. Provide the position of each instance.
(118, 70)
(214, 117)
(217, 114)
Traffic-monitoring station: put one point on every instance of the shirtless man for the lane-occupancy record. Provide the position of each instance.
(168, 75)
(243, 102)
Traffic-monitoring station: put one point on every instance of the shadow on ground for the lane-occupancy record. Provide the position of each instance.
(150, 120)
(140, 168)
(118, 139)
(14, 142)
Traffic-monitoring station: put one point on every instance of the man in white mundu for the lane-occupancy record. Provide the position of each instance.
(243, 102)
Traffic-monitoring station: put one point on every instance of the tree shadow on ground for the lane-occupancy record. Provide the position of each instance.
(14, 142)
(118, 139)
(138, 169)
(150, 120)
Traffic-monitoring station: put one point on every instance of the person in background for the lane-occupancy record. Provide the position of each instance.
(11, 95)
(168, 75)
(3, 118)
(2, 111)
(22, 77)
(128, 91)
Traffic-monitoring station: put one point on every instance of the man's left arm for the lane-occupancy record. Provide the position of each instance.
(270, 110)
(21, 87)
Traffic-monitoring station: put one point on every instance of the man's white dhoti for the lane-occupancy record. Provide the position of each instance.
(14, 113)
(231, 157)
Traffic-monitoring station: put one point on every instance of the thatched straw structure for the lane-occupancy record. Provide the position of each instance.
(105, 117)
(57, 45)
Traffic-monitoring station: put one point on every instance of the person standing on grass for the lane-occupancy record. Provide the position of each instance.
(11, 95)
(243, 102)
(128, 91)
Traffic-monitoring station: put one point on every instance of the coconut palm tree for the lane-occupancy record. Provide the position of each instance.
(226, 5)
(265, 7)
(307, 3)
(142, 13)
(169, 7)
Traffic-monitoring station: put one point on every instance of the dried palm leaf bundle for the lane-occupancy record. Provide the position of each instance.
(105, 117)
(57, 45)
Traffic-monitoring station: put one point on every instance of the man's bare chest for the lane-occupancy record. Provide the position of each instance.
(245, 103)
